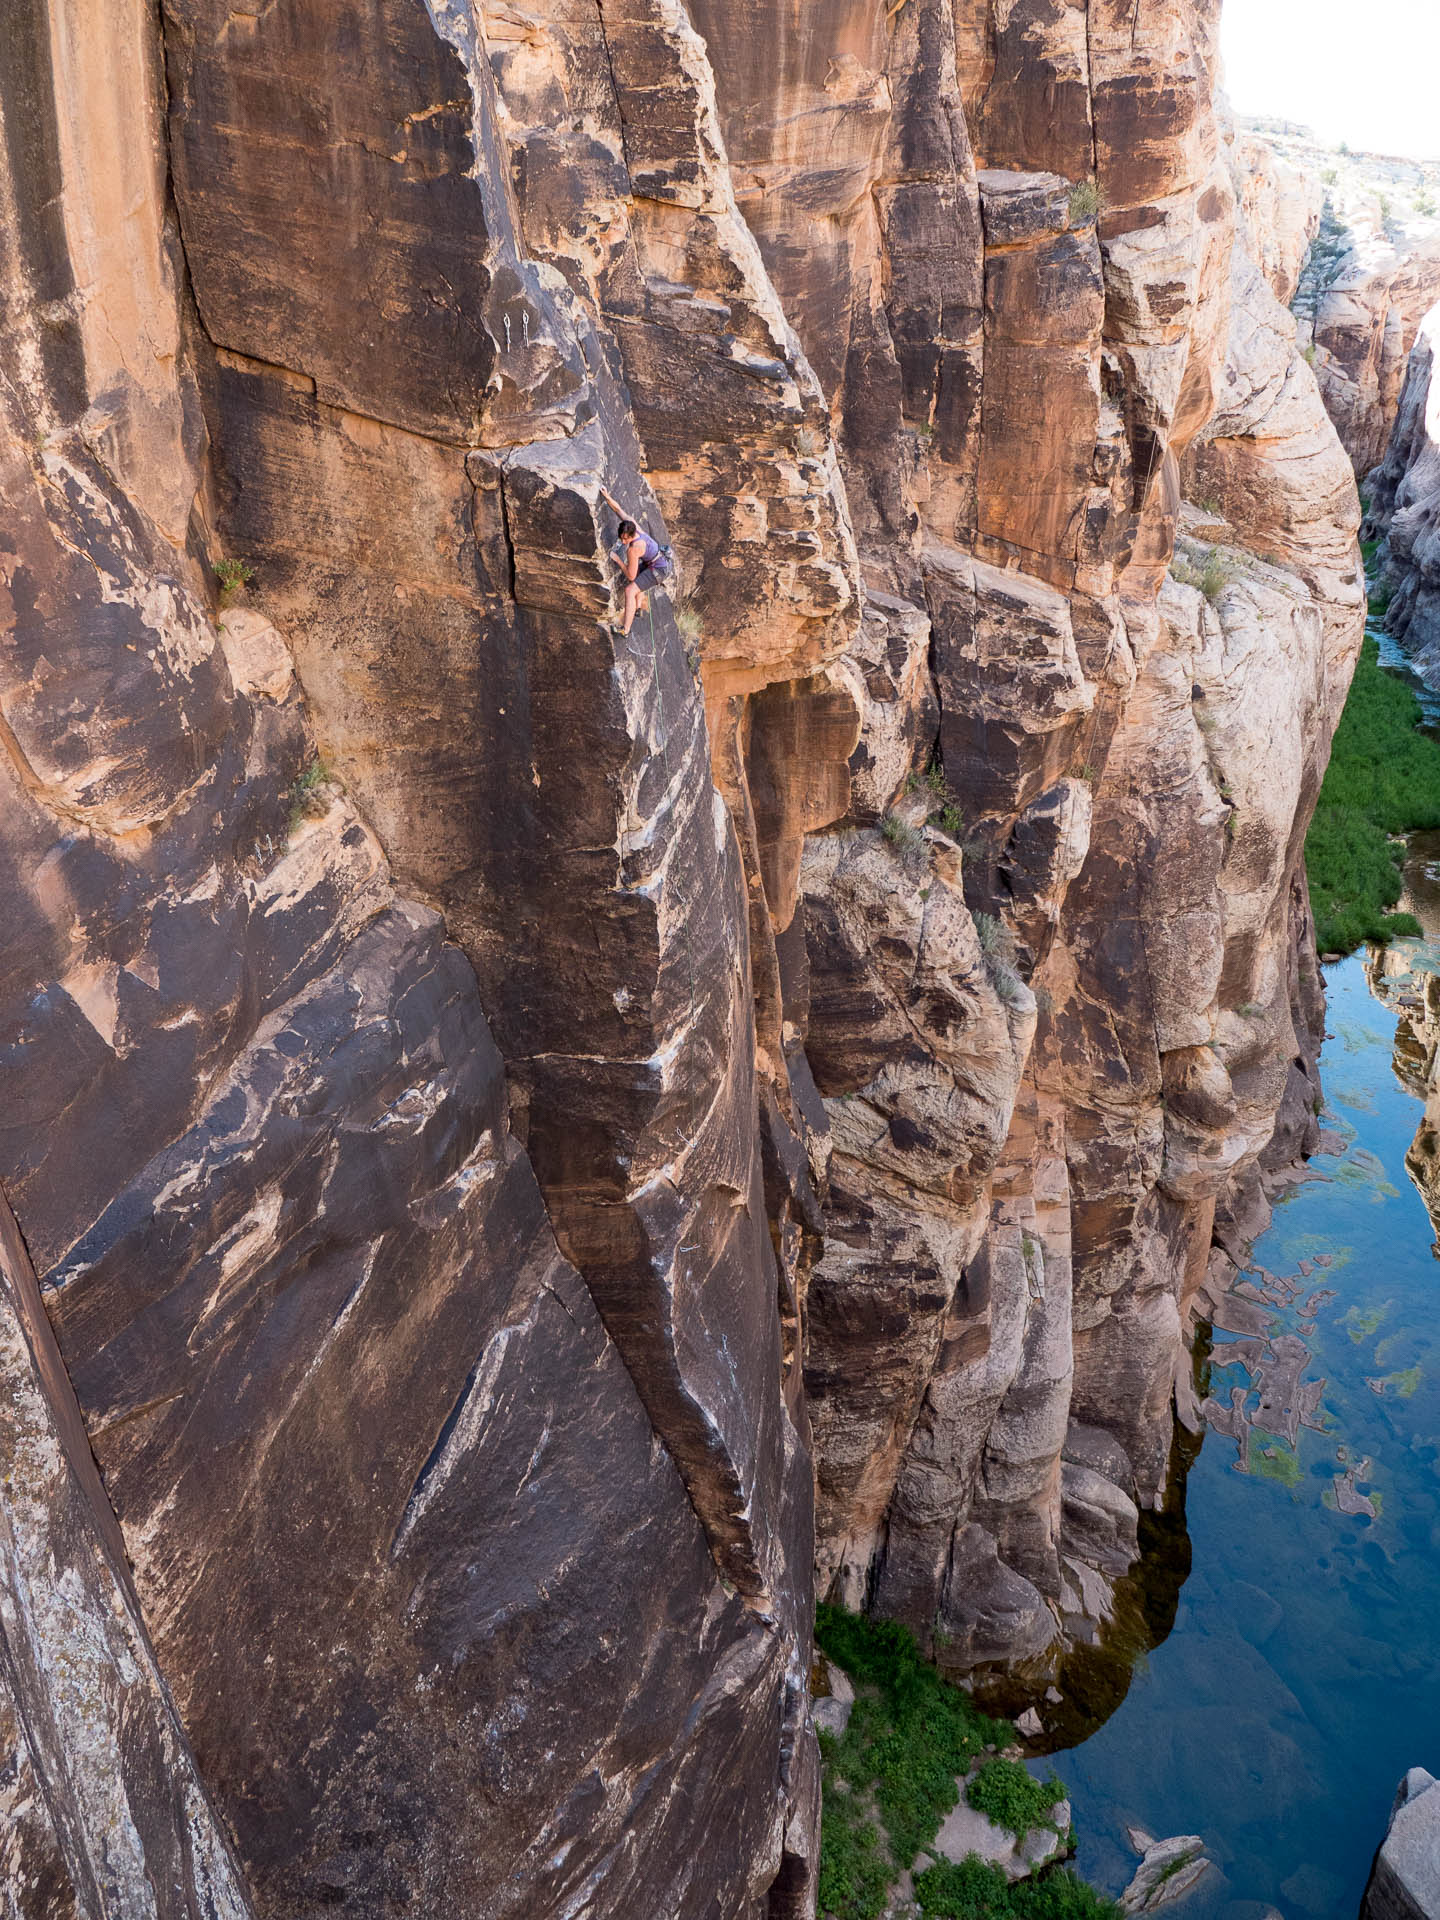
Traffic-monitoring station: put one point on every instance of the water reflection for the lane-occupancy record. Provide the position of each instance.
(1406, 978)
(1271, 1700)
(1094, 1681)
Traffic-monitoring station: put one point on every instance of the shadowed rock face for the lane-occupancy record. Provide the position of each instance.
(477, 1579)
(482, 1085)
(1404, 496)
(105, 1810)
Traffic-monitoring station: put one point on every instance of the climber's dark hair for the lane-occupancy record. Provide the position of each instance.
(627, 529)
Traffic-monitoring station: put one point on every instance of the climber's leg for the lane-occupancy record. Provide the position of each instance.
(633, 600)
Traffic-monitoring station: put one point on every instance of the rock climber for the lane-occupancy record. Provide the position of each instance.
(639, 559)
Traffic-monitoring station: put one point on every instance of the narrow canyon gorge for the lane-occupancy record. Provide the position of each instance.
(535, 1153)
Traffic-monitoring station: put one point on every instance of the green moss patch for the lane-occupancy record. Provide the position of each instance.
(1363, 1323)
(1269, 1458)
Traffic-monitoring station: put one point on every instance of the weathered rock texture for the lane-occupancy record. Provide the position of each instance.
(481, 1086)
(1281, 200)
(1404, 508)
(1405, 1880)
(104, 1809)
(1016, 1224)
(445, 1416)
(1369, 269)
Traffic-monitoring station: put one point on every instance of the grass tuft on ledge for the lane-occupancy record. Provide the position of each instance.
(1006, 1794)
(1383, 779)
(975, 1891)
(889, 1781)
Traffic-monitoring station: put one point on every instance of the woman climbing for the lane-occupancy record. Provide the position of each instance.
(640, 559)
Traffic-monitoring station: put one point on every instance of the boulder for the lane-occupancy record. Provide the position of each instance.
(1171, 1869)
(967, 1831)
(1405, 1879)
(834, 1698)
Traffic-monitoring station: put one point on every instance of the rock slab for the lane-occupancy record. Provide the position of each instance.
(1405, 1879)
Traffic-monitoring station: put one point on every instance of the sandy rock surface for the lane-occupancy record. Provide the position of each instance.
(544, 1148)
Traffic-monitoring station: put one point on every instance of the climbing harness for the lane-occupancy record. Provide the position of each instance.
(659, 563)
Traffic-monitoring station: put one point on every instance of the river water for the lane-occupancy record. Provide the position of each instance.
(1301, 1674)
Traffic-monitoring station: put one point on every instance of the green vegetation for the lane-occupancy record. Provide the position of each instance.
(1004, 1792)
(1210, 574)
(907, 841)
(304, 796)
(997, 942)
(997, 949)
(946, 812)
(975, 1891)
(233, 575)
(1086, 202)
(890, 1780)
(1383, 780)
(1177, 1865)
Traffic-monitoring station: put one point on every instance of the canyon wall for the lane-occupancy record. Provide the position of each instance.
(542, 1148)
(1368, 267)
(1403, 507)
(1026, 314)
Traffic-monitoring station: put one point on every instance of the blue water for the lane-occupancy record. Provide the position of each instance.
(1302, 1674)
(1394, 656)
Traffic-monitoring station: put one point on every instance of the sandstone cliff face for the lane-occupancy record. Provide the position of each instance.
(1366, 321)
(471, 1532)
(1370, 266)
(1403, 506)
(525, 1138)
(1015, 1225)
(1281, 202)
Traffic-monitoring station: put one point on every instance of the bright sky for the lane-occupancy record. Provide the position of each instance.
(1368, 74)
